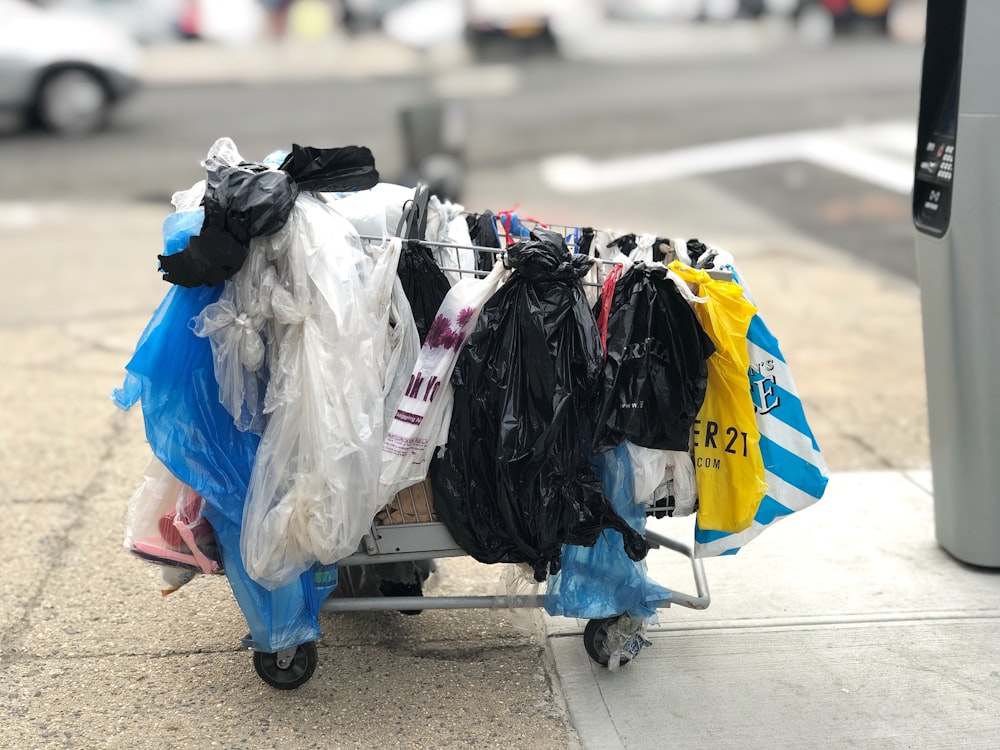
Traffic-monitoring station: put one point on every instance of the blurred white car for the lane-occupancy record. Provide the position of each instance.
(63, 71)
(148, 21)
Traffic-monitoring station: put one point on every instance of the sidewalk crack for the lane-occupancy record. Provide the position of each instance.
(61, 541)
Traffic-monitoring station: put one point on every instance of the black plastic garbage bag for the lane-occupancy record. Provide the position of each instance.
(515, 482)
(483, 233)
(241, 202)
(423, 281)
(248, 200)
(424, 284)
(656, 369)
(331, 170)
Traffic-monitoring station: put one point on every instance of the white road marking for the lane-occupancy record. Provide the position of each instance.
(881, 154)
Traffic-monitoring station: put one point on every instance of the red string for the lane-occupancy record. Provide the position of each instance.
(507, 220)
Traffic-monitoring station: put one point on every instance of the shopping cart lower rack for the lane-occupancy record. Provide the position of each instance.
(409, 536)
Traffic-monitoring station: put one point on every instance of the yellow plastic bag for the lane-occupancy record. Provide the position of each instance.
(729, 469)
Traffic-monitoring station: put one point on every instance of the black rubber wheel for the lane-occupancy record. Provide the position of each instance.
(295, 673)
(595, 637)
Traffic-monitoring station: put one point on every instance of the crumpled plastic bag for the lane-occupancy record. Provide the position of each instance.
(164, 523)
(664, 480)
(189, 431)
(424, 284)
(236, 324)
(314, 488)
(483, 234)
(602, 581)
(376, 215)
(656, 371)
(515, 482)
(448, 229)
(244, 200)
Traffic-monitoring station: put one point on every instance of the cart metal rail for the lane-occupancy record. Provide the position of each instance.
(412, 541)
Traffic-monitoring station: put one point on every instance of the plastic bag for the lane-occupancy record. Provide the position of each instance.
(424, 283)
(515, 481)
(483, 233)
(730, 471)
(241, 201)
(314, 488)
(375, 212)
(795, 470)
(624, 639)
(193, 435)
(517, 586)
(345, 168)
(164, 523)
(601, 580)
(655, 372)
(664, 480)
(244, 200)
(400, 353)
(420, 421)
(235, 325)
(446, 224)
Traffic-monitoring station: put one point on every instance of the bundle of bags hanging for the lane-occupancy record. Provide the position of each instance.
(291, 271)
(345, 360)
(515, 482)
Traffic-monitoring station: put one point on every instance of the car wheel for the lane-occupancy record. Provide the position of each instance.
(73, 101)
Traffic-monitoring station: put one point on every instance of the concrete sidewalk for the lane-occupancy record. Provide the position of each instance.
(842, 626)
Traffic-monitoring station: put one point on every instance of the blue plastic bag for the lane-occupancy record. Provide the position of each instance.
(601, 581)
(188, 429)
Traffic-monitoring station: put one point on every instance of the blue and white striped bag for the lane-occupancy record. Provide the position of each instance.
(795, 471)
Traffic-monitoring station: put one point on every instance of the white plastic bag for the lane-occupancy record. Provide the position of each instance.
(164, 524)
(314, 487)
(375, 212)
(643, 252)
(237, 327)
(420, 421)
(649, 469)
(660, 474)
(446, 225)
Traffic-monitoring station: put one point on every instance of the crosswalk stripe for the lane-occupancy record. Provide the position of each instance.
(881, 154)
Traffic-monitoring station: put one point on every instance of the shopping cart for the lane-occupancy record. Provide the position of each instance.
(408, 539)
(408, 531)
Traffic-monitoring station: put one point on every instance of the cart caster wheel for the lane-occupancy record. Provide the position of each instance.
(595, 637)
(288, 669)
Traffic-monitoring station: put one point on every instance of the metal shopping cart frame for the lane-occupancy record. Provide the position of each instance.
(427, 540)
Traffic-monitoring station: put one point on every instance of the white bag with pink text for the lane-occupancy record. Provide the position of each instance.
(423, 414)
